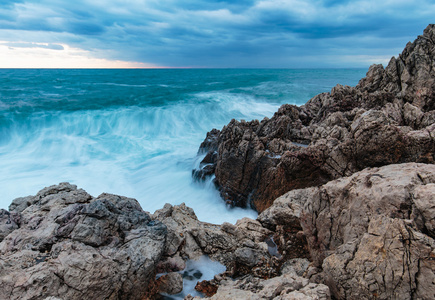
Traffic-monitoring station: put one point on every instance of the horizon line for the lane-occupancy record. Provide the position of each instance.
(180, 68)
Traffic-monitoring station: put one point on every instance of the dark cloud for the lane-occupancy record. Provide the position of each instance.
(222, 33)
(84, 28)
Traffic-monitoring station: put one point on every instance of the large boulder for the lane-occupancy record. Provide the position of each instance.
(341, 210)
(392, 260)
(388, 118)
(64, 243)
(242, 247)
(370, 235)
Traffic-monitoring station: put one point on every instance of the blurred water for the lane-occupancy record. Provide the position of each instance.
(197, 270)
(135, 132)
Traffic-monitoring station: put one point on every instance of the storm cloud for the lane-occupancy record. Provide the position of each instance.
(221, 33)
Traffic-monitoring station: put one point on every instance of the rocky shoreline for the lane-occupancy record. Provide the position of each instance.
(345, 188)
(388, 118)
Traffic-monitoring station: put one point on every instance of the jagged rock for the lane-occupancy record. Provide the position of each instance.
(370, 235)
(171, 283)
(295, 266)
(240, 247)
(207, 287)
(282, 287)
(387, 118)
(68, 244)
(340, 211)
(283, 218)
(9, 221)
(373, 232)
(391, 261)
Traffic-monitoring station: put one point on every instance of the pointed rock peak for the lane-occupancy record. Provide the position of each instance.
(429, 32)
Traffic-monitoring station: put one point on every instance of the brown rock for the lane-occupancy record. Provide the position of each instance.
(171, 283)
(386, 119)
(391, 261)
(208, 287)
(283, 217)
(340, 211)
(370, 235)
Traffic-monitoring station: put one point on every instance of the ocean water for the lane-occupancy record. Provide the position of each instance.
(136, 133)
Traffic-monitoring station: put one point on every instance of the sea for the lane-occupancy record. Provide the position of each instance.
(136, 132)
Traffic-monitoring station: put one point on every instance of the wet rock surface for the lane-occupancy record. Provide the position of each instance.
(387, 118)
(281, 287)
(240, 247)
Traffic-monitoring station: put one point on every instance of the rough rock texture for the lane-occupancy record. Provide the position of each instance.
(391, 261)
(64, 243)
(171, 283)
(388, 118)
(207, 287)
(241, 247)
(370, 235)
(366, 234)
(341, 210)
(283, 218)
(287, 286)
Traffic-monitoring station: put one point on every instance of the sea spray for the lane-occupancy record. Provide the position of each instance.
(135, 132)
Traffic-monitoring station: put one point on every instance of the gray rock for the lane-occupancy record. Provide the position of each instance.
(9, 221)
(21, 203)
(240, 247)
(282, 287)
(295, 266)
(69, 245)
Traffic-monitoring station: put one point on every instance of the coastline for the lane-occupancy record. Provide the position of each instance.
(351, 214)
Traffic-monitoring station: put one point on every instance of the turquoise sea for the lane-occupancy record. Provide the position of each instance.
(136, 132)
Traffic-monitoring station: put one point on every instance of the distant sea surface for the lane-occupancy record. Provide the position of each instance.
(136, 133)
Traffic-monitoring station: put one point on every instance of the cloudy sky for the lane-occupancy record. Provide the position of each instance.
(208, 33)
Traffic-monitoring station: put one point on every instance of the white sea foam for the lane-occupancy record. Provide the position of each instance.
(122, 84)
(241, 106)
(93, 136)
(142, 152)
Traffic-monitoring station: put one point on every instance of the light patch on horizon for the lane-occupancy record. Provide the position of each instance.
(57, 56)
(367, 59)
(224, 33)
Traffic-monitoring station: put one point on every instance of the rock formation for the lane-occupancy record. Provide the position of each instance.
(287, 286)
(388, 118)
(240, 247)
(353, 180)
(371, 235)
(64, 243)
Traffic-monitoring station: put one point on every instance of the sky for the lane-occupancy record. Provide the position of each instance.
(207, 34)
